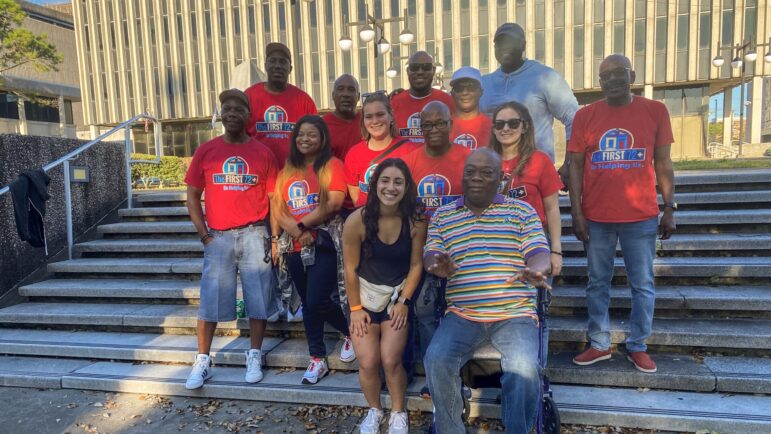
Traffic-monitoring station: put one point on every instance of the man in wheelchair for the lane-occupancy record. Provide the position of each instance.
(493, 253)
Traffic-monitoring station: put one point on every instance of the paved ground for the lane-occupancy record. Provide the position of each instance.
(50, 411)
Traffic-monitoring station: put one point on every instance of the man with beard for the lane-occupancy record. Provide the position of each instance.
(470, 128)
(493, 253)
(408, 105)
(619, 150)
(345, 122)
(276, 104)
(541, 89)
(237, 175)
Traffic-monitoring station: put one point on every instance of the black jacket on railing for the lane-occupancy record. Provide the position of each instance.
(30, 193)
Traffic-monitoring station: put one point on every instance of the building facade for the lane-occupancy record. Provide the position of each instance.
(172, 57)
(44, 103)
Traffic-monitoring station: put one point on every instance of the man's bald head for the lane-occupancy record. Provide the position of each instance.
(421, 57)
(345, 95)
(487, 156)
(436, 107)
(616, 78)
(482, 175)
(615, 61)
(347, 80)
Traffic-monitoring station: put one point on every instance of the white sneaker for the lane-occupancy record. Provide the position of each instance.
(316, 371)
(398, 423)
(200, 373)
(371, 423)
(347, 354)
(253, 366)
(296, 317)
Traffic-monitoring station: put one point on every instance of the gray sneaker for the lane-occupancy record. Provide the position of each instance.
(200, 373)
(371, 423)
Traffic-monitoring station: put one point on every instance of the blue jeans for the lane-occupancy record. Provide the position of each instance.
(231, 253)
(452, 346)
(638, 244)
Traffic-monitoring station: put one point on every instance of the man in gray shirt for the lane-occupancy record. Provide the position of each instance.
(541, 89)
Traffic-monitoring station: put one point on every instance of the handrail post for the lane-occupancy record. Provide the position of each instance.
(68, 207)
(129, 193)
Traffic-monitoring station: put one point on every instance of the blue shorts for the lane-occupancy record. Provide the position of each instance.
(232, 253)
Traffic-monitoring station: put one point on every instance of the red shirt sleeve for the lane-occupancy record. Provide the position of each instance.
(351, 174)
(337, 176)
(577, 142)
(549, 182)
(664, 134)
(195, 176)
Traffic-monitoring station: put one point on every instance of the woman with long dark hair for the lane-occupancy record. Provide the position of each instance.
(382, 252)
(528, 174)
(309, 192)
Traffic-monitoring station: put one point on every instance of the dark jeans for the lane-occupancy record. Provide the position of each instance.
(317, 284)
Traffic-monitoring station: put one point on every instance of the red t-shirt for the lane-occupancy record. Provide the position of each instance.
(274, 115)
(472, 133)
(439, 179)
(343, 133)
(236, 180)
(301, 192)
(407, 112)
(359, 167)
(539, 179)
(619, 180)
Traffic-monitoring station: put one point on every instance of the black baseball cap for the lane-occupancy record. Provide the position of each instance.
(278, 47)
(510, 29)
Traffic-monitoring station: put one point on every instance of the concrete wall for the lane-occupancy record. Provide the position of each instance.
(91, 201)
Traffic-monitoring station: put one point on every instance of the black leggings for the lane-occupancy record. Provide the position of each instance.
(317, 284)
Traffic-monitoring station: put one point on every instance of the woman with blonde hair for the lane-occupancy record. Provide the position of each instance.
(309, 192)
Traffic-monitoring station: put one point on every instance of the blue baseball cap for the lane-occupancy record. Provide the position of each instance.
(466, 72)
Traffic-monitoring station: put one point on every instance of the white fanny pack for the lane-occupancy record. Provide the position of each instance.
(376, 297)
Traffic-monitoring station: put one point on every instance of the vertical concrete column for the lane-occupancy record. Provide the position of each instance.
(23, 127)
(727, 118)
(62, 118)
(754, 111)
(648, 91)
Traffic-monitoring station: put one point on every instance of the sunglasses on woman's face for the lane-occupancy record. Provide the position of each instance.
(365, 96)
(512, 123)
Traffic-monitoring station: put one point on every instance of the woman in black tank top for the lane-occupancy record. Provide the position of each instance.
(383, 247)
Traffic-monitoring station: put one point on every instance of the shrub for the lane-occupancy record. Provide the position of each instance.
(170, 169)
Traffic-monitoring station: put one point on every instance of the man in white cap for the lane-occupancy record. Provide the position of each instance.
(470, 128)
(541, 89)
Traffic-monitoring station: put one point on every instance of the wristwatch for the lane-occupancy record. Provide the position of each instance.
(301, 226)
(405, 301)
(672, 205)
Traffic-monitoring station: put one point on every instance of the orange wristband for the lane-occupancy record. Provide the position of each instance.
(357, 307)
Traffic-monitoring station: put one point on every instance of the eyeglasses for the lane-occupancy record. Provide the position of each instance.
(618, 72)
(415, 67)
(512, 123)
(365, 96)
(465, 87)
(439, 125)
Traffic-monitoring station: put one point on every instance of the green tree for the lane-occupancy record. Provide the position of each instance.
(19, 46)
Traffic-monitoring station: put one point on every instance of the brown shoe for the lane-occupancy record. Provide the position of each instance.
(642, 361)
(591, 356)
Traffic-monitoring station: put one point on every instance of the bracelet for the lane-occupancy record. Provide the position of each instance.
(206, 237)
(556, 253)
(275, 237)
(357, 307)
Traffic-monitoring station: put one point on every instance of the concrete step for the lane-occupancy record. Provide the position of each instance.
(679, 243)
(725, 298)
(744, 267)
(682, 411)
(722, 178)
(676, 372)
(709, 217)
(691, 332)
(39, 373)
(712, 197)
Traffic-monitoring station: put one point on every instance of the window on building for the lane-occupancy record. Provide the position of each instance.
(660, 59)
(9, 106)
(69, 119)
(705, 38)
(47, 110)
(681, 45)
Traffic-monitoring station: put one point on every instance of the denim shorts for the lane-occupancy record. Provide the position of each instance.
(232, 253)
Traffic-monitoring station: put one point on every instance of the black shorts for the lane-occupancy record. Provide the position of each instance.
(378, 317)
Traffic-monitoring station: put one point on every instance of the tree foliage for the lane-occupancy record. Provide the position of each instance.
(19, 46)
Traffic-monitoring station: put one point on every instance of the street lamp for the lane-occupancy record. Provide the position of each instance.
(369, 32)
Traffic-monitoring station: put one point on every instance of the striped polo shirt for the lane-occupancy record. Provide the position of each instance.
(487, 250)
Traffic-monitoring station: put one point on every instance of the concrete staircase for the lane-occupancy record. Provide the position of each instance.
(121, 317)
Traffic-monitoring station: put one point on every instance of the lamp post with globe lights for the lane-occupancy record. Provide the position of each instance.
(744, 53)
(368, 31)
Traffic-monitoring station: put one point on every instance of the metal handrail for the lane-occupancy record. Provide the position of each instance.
(65, 160)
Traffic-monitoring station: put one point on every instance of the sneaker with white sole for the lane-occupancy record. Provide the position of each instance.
(253, 366)
(294, 317)
(200, 373)
(398, 423)
(371, 423)
(347, 354)
(317, 370)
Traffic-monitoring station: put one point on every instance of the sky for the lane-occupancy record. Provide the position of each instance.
(48, 2)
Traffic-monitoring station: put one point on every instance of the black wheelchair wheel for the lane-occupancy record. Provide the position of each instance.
(551, 416)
